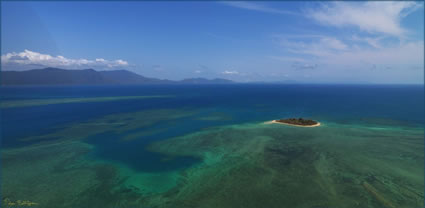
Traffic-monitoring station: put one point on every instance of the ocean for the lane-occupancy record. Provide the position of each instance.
(208, 146)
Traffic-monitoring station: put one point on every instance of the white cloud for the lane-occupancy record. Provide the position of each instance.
(121, 62)
(331, 51)
(405, 53)
(333, 43)
(316, 45)
(372, 17)
(22, 60)
(374, 42)
(230, 72)
(256, 7)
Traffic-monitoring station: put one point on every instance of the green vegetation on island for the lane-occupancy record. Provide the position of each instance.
(299, 121)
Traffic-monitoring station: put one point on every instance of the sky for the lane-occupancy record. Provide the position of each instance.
(307, 42)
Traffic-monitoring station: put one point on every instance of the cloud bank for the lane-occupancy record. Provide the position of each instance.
(230, 72)
(377, 45)
(333, 51)
(30, 59)
(373, 17)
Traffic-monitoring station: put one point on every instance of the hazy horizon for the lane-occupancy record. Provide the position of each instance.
(306, 42)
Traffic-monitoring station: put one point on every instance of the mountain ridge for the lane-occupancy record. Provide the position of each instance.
(57, 76)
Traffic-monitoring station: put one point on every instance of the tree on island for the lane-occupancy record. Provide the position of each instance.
(299, 121)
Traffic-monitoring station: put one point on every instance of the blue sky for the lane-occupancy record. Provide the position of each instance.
(311, 42)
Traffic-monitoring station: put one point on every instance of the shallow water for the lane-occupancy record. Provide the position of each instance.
(208, 146)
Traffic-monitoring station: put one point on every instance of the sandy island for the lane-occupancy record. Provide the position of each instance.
(274, 121)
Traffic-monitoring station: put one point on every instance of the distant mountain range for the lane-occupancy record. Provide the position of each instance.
(55, 76)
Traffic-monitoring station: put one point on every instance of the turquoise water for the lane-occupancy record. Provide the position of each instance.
(207, 146)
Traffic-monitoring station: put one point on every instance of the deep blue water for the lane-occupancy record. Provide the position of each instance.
(403, 104)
